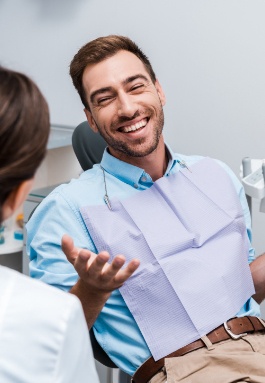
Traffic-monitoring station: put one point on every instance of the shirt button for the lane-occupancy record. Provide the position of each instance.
(144, 179)
(135, 186)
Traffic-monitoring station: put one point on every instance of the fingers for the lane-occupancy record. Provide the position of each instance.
(74, 254)
(114, 267)
(95, 269)
(127, 272)
(90, 264)
(81, 262)
(106, 276)
(69, 248)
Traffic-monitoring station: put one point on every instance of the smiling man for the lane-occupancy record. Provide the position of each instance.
(176, 303)
(128, 112)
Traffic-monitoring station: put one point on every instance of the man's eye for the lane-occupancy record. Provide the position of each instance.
(103, 100)
(138, 87)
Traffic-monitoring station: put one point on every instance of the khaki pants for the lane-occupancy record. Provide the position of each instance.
(230, 361)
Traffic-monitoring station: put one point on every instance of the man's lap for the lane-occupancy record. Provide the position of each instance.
(229, 361)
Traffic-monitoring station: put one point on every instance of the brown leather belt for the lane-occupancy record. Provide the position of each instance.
(235, 328)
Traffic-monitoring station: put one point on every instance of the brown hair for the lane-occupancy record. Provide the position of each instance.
(24, 130)
(98, 50)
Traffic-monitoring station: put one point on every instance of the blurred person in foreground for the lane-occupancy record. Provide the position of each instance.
(43, 334)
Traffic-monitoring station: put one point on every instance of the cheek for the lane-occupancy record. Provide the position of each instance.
(156, 105)
(154, 100)
(106, 116)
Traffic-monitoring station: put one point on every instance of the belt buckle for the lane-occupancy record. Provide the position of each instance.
(231, 334)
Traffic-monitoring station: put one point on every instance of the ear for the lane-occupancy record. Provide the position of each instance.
(16, 198)
(160, 92)
(91, 120)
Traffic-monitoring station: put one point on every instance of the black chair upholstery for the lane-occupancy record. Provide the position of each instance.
(99, 354)
(88, 146)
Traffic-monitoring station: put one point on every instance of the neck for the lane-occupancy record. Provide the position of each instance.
(154, 164)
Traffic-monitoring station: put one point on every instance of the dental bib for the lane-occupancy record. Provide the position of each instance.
(188, 231)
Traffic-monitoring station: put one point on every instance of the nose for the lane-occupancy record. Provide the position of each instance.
(126, 106)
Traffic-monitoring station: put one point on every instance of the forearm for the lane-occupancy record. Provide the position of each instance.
(257, 268)
(92, 301)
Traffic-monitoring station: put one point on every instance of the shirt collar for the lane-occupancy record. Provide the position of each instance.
(129, 173)
(171, 160)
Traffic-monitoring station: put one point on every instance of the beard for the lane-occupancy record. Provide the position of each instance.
(139, 148)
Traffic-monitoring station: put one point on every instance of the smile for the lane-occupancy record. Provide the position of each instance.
(133, 128)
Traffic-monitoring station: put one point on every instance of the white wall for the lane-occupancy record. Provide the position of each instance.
(209, 56)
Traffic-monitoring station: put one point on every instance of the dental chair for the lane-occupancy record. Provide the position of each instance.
(89, 147)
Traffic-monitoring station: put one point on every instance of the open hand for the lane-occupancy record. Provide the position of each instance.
(95, 269)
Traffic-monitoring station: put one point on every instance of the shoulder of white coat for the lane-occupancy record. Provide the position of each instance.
(37, 293)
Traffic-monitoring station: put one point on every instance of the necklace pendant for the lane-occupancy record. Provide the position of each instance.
(107, 201)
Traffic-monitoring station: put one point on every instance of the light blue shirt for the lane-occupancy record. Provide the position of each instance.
(115, 328)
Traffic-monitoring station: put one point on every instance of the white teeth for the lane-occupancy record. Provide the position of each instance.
(136, 126)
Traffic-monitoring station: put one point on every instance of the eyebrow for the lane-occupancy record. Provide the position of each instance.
(99, 91)
(109, 88)
(134, 77)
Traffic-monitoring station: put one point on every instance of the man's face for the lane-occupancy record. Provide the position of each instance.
(126, 107)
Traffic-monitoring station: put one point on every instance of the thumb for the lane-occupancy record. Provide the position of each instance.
(69, 248)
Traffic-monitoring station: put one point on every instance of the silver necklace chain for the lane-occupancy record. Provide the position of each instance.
(106, 197)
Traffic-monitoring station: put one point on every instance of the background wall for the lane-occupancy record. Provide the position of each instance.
(208, 55)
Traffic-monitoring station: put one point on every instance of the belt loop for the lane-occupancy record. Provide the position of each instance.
(261, 321)
(207, 342)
